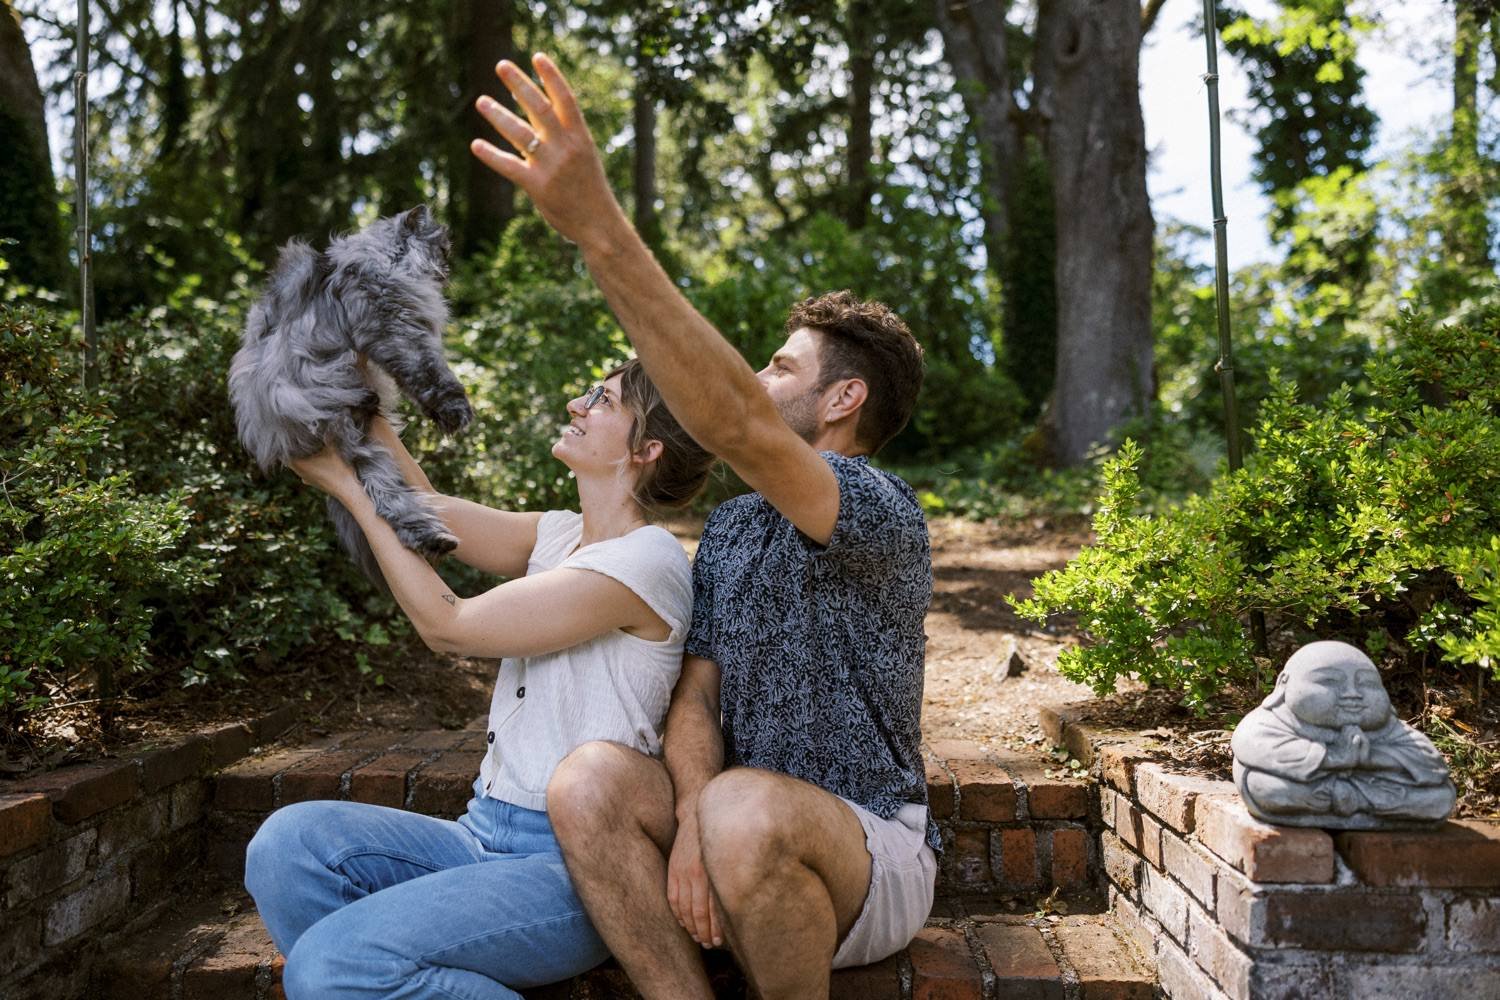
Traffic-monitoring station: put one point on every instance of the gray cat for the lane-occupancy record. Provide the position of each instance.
(294, 384)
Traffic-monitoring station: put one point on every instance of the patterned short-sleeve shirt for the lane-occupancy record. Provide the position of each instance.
(821, 648)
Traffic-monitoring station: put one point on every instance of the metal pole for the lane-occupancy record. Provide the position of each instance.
(81, 201)
(1225, 364)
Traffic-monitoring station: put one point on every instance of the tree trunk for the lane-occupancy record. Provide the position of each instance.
(1468, 236)
(643, 164)
(861, 150)
(1088, 94)
(28, 193)
(176, 106)
(487, 203)
(974, 39)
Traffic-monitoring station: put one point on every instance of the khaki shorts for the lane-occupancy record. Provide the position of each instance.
(903, 874)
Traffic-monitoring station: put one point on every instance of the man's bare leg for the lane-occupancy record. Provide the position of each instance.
(612, 811)
(790, 869)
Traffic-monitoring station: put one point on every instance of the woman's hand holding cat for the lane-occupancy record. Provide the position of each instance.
(326, 470)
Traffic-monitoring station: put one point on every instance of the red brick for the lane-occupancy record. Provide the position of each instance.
(443, 787)
(319, 777)
(1127, 822)
(20, 942)
(383, 780)
(867, 982)
(227, 744)
(163, 864)
(971, 857)
(1021, 961)
(1217, 955)
(127, 829)
(1188, 864)
(1181, 977)
(1018, 857)
(1121, 864)
(1474, 925)
(1070, 858)
(940, 795)
(1052, 799)
(49, 869)
(942, 967)
(229, 970)
(274, 724)
(431, 739)
(1106, 969)
(952, 749)
(174, 764)
(1150, 840)
(985, 791)
(1263, 852)
(1460, 853)
(1357, 921)
(370, 741)
(1117, 763)
(249, 785)
(24, 821)
(1055, 719)
(98, 902)
(86, 790)
(1172, 797)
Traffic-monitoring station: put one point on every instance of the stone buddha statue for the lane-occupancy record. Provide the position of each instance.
(1325, 749)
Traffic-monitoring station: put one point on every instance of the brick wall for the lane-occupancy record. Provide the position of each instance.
(91, 848)
(1232, 907)
(1008, 827)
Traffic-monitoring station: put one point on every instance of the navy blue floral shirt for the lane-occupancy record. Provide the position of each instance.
(821, 648)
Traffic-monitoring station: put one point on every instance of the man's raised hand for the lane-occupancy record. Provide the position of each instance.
(559, 166)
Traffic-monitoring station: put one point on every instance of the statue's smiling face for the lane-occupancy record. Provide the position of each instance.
(1338, 694)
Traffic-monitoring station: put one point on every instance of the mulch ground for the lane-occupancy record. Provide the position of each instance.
(972, 633)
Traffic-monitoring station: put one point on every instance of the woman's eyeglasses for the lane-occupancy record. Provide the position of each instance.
(593, 396)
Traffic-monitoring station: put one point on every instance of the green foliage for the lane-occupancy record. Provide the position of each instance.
(82, 550)
(1310, 116)
(1350, 522)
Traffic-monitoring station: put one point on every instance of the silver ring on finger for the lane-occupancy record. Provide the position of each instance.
(531, 146)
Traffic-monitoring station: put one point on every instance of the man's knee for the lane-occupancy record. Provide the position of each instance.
(592, 787)
(743, 826)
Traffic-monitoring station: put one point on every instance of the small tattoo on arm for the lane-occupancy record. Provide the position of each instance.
(451, 599)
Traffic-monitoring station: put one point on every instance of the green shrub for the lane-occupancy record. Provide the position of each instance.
(82, 550)
(1346, 522)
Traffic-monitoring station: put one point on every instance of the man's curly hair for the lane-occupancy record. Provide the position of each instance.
(867, 341)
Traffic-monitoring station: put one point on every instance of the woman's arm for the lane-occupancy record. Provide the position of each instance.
(525, 617)
(495, 541)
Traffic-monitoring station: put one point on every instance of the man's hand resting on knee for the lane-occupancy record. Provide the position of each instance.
(688, 892)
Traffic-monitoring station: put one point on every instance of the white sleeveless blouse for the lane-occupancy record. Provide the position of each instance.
(615, 686)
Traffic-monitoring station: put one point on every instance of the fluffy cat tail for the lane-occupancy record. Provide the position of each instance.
(352, 538)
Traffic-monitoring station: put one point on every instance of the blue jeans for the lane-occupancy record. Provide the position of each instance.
(366, 901)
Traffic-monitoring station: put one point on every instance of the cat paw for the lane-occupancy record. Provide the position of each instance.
(453, 415)
(439, 544)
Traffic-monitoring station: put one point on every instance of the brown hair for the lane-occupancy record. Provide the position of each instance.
(867, 341)
(681, 470)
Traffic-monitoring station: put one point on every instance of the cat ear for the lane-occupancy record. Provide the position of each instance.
(416, 219)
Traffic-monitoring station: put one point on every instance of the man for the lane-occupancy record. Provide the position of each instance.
(814, 849)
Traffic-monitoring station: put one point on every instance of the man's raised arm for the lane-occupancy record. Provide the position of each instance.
(708, 387)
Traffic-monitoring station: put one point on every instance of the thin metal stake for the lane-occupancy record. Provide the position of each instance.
(1225, 364)
(81, 201)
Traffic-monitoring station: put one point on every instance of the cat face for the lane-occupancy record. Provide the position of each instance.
(412, 244)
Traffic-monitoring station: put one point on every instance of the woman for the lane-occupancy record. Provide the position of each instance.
(368, 901)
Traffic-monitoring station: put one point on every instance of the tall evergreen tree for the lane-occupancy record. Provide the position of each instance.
(28, 194)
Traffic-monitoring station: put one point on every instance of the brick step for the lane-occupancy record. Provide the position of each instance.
(215, 948)
(1011, 823)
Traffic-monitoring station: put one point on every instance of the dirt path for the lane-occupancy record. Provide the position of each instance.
(971, 629)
